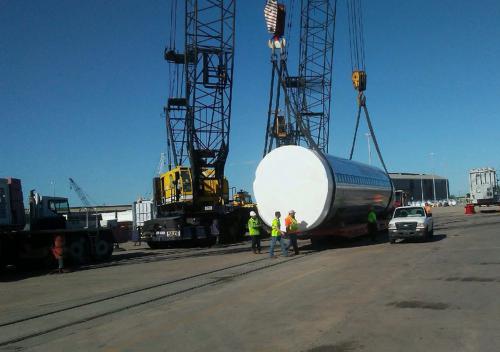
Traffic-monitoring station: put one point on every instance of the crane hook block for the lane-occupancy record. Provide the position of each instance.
(279, 129)
(275, 15)
(174, 57)
(359, 80)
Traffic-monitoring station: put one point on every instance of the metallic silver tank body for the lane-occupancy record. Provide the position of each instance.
(357, 187)
(324, 190)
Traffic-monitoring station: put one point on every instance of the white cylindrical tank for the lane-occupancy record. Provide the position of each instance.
(321, 189)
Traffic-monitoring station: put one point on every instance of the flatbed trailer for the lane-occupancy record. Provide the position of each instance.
(341, 231)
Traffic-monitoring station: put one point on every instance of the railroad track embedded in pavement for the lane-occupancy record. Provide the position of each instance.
(28, 327)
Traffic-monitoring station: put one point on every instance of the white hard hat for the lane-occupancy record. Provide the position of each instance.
(252, 213)
(291, 211)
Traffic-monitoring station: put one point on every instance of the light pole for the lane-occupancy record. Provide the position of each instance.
(433, 178)
(53, 184)
(447, 192)
(368, 140)
(445, 166)
(422, 187)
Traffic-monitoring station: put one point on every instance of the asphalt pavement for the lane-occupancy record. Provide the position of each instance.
(441, 295)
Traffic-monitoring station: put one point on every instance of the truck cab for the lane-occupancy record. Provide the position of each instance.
(410, 222)
(47, 212)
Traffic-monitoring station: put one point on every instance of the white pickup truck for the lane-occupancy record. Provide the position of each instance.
(410, 222)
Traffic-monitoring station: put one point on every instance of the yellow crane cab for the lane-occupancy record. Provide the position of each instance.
(176, 186)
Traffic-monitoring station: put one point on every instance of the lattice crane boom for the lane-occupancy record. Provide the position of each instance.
(198, 118)
(80, 193)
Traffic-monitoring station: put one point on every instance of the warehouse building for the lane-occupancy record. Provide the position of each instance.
(420, 186)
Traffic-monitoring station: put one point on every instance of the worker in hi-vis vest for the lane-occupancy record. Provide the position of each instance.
(276, 236)
(254, 226)
(291, 230)
(372, 224)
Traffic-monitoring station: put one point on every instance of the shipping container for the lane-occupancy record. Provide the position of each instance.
(141, 211)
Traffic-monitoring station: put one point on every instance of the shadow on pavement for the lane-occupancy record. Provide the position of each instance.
(489, 211)
(343, 242)
(127, 257)
(339, 242)
(152, 257)
(435, 238)
(11, 273)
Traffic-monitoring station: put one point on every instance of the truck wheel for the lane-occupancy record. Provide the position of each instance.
(103, 248)
(153, 245)
(211, 241)
(78, 251)
(318, 243)
(426, 235)
(1, 257)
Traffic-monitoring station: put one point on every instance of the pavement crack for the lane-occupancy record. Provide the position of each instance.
(419, 305)
(340, 347)
(489, 263)
(472, 279)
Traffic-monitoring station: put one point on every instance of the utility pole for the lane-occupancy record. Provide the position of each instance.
(368, 140)
(433, 177)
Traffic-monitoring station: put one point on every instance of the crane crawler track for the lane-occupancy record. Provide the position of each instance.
(65, 316)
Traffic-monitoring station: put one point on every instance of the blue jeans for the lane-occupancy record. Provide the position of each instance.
(293, 242)
(283, 245)
(60, 262)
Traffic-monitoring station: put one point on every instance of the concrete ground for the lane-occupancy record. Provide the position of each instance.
(357, 295)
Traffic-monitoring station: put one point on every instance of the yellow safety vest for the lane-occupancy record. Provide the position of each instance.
(253, 227)
(293, 226)
(276, 227)
(372, 217)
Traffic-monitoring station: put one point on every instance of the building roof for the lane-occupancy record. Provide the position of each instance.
(412, 176)
(105, 208)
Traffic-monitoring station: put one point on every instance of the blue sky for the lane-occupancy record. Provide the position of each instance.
(83, 83)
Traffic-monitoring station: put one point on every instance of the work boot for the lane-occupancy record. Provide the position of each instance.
(254, 251)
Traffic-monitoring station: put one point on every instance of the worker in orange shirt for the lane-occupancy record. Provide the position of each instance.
(292, 228)
(428, 208)
(58, 252)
